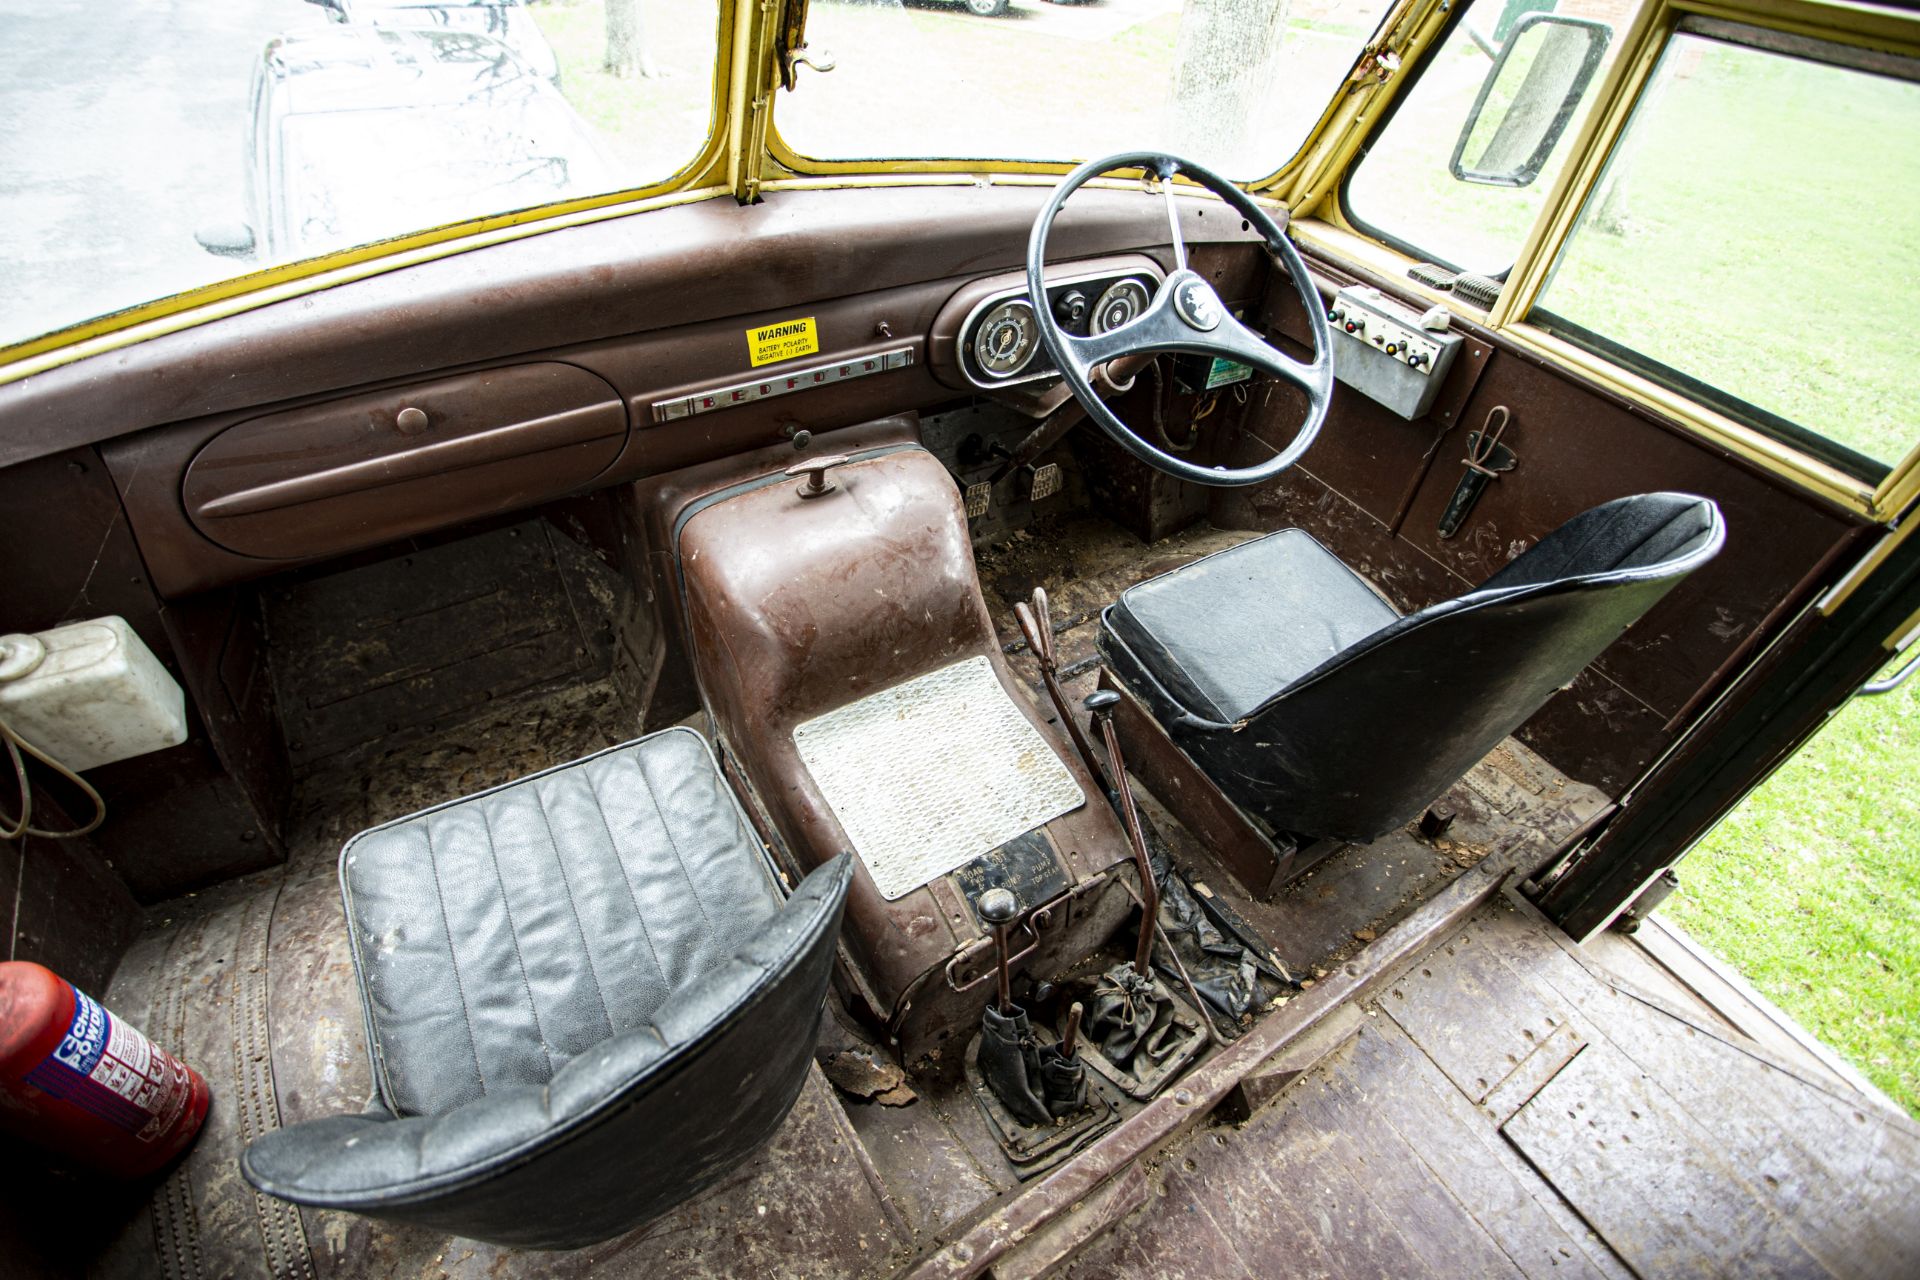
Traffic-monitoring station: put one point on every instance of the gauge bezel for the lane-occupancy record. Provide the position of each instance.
(1149, 278)
(1033, 339)
(1146, 300)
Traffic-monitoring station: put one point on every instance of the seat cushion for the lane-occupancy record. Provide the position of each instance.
(500, 936)
(1231, 630)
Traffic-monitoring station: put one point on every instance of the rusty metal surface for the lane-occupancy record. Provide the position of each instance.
(798, 606)
(346, 474)
(651, 271)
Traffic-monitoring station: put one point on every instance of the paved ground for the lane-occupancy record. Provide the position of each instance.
(122, 130)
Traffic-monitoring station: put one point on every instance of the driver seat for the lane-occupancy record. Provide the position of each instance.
(1316, 707)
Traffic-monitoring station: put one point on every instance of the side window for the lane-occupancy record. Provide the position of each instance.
(1752, 241)
(1458, 174)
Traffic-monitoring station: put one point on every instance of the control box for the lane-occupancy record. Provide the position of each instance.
(1389, 353)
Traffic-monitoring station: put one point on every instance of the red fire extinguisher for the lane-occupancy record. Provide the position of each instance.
(81, 1081)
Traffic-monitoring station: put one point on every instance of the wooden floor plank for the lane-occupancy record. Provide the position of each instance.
(1518, 1209)
(1440, 1228)
(1300, 1148)
(1846, 1175)
(1472, 1013)
(1649, 1179)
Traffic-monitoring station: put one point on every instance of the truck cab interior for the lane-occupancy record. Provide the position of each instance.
(860, 708)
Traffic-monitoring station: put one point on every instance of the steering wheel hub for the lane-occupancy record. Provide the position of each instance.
(1195, 302)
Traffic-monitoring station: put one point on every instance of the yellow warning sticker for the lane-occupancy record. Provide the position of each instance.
(782, 341)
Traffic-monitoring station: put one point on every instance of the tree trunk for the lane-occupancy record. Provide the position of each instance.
(627, 56)
(1224, 63)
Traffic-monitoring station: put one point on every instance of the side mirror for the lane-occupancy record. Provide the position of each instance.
(226, 239)
(1528, 98)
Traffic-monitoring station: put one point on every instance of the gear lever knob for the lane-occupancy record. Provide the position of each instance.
(998, 907)
(1100, 704)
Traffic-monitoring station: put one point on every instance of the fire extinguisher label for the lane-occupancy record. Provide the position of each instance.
(110, 1069)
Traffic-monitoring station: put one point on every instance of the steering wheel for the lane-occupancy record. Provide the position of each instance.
(1185, 316)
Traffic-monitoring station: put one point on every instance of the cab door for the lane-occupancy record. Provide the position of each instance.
(1680, 246)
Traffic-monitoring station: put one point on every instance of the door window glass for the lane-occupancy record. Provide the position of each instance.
(1235, 85)
(155, 148)
(1753, 242)
(1425, 182)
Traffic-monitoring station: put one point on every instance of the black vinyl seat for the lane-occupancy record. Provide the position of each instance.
(585, 1000)
(1316, 707)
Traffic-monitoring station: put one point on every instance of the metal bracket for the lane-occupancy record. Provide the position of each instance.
(1486, 459)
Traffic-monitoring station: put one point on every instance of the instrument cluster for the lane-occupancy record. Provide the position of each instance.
(1000, 339)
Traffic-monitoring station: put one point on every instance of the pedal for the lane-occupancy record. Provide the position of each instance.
(1043, 482)
(979, 498)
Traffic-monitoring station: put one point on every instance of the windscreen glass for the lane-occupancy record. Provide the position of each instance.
(153, 148)
(1233, 84)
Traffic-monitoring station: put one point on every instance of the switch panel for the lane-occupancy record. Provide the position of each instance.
(1389, 353)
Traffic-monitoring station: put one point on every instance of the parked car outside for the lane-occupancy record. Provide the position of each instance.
(505, 20)
(361, 132)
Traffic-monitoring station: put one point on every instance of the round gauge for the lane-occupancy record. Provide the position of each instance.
(1121, 302)
(1006, 338)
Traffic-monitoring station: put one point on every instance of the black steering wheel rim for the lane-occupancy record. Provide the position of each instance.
(1185, 316)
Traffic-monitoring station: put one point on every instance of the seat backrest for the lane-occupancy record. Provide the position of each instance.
(1370, 737)
(501, 935)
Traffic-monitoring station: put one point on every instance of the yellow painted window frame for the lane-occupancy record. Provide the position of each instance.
(1319, 220)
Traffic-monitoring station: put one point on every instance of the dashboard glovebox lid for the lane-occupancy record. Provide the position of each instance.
(366, 469)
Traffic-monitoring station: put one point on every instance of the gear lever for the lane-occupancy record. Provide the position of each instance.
(1100, 705)
(998, 907)
(1036, 624)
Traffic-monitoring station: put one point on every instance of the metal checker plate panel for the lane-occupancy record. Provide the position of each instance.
(932, 773)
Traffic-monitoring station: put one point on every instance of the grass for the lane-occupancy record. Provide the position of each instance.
(649, 127)
(1730, 240)
(1811, 889)
(1715, 258)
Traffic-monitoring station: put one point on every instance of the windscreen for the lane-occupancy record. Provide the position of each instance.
(1236, 85)
(152, 148)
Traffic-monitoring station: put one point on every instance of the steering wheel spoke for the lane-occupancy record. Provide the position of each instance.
(1186, 316)
(1238, 342)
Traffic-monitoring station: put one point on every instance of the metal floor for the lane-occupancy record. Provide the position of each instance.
(1495, 1101)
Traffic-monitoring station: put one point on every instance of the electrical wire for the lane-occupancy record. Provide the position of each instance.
(1160, 416)
(13, 829)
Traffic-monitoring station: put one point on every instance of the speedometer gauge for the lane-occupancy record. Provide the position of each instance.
(1122, 301)
(1006, 338)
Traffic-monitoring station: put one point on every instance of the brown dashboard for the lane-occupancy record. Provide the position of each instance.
(509, 376)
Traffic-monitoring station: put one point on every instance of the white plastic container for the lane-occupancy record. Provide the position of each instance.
(89, 693)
